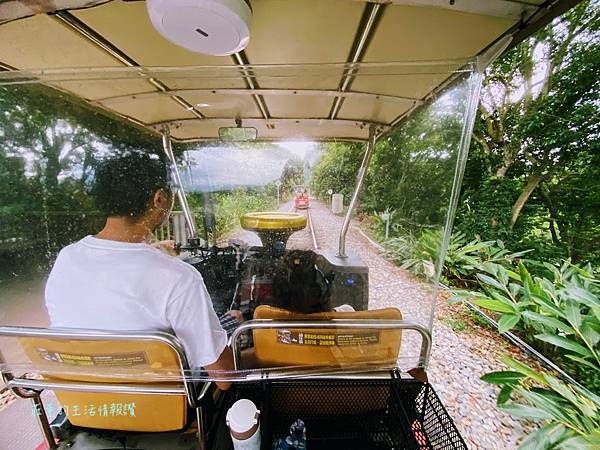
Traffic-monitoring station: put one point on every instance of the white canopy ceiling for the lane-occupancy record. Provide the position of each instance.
(314, 69)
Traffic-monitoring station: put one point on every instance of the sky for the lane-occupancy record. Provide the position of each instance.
(227, 167)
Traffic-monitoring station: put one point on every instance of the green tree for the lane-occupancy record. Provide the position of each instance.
(538, 127)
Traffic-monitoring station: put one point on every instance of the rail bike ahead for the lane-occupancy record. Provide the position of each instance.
(301, 199)
(235, 94)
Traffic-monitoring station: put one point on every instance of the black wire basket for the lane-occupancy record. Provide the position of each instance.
(346, 414)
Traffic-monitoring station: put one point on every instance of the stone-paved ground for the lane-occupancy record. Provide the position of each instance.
(457, 359)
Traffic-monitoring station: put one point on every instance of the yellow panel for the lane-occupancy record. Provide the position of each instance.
(272, 350)
(411, 86)
(305, 106)
(312, 79)
(149, 110)
(219, 105)
(302, 31)
(372, 109)
(423, 33)
(126, 25)
(41, 42)
(124, 361)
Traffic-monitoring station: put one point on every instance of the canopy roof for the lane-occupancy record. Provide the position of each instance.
(314, 69)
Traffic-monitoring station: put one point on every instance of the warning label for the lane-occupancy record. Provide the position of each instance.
(115, 359)
(327, 339)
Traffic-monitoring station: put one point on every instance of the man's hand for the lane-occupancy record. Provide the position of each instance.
(166, 246)
(221, 367)
(236, 314)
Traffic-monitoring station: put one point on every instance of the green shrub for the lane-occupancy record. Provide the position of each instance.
(571, 415)
(561, 315)
(462, 260)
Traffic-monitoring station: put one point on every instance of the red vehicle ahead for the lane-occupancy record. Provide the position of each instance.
(301, 198)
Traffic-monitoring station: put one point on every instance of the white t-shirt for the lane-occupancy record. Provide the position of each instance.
(110, 285)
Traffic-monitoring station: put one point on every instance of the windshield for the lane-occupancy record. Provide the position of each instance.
(269, 221)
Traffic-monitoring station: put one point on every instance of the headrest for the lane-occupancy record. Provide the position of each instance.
(328, 346)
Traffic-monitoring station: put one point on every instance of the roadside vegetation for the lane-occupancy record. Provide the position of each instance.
(525, 246)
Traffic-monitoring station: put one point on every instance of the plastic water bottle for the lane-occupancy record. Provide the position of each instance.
(244, 426)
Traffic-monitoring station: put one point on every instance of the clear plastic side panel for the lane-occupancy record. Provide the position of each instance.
(301, 272)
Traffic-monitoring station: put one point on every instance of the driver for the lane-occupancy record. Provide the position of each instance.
(116, 280)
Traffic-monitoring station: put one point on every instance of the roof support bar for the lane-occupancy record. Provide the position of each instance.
(241, 60)
(187, 212)
(368, 23)
(91, 35)
(359, 182)
(279, 92)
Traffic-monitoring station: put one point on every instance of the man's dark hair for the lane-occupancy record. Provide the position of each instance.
(125, 185)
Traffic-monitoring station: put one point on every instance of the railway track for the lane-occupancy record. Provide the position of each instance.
(311, 226)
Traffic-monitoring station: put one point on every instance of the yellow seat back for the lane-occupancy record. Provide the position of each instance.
(334, 347)
(110, 361)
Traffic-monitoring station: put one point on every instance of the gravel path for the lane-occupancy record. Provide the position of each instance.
(457, 359)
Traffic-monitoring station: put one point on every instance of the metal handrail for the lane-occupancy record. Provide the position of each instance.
(113, 388)
(333, 323)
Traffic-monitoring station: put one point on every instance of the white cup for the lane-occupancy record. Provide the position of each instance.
(242, 420)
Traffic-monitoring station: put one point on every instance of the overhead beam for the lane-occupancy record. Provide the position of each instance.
(263, 92)
(73, 23)
(6, 67)
(506, 9)
(269, 123)
(241, 60)
(541, 19)
(366, 29)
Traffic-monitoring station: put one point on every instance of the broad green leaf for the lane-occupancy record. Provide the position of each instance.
(581, 295)
(565, 391)
(588, 442)
(495, 305)
(573, 313)
(502, 377)
(513, 275)
(549, 321)
(563, 342)
(586, 394)
(549, 306)
(584, 362)
(590, 332)
(502, 276)
(529, 412)
(514, 289)
(544, 438)
(548, 402)
(523, 368)
(491, 281)
(504, 394)
(525, 277)
(507, 322)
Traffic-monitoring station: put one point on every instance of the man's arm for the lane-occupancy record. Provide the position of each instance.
(194, 321)
(224, 363)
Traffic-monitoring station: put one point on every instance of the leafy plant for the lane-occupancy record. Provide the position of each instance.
(563, 312)
(462, 261)
(571, 414)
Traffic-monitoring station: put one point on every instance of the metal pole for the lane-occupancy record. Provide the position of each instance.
(42, 419)
(359, 182)
(189, 218)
